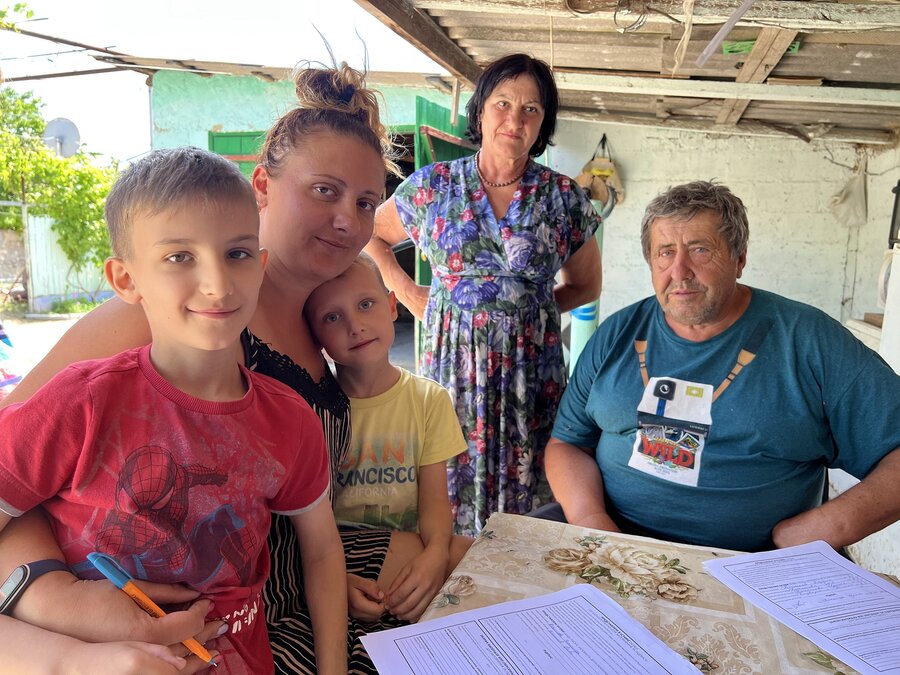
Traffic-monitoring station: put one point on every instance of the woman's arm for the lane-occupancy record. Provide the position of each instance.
(580, 278)
(109, 329)
(49, 652)
(325, 581)
(30, 534)
(388, 232)
(96, 611)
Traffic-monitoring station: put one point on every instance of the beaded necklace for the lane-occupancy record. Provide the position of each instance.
(498, 185)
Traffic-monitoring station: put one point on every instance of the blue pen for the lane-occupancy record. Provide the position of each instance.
(121, 579)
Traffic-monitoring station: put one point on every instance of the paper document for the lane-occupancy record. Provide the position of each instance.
(577, 631)
(848, 612)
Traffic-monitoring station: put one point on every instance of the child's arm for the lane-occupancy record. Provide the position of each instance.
(28, 649)
(325, 583)
(419, 581)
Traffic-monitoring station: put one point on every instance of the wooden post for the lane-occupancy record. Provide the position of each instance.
(454, 103)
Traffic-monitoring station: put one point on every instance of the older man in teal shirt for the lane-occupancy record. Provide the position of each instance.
(708, 413)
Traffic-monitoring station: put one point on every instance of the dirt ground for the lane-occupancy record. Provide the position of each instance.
(33, 338)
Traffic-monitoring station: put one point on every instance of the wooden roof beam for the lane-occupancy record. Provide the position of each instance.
(58, 40)
(420, 30)
(889, 98)
(770, 46)
(799, 15)
(839, 135)
(269, 73)
(70, 73)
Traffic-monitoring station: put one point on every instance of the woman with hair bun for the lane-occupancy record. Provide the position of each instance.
(497, 228)
(320, 178)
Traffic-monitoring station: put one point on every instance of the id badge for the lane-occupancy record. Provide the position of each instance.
(674, 417)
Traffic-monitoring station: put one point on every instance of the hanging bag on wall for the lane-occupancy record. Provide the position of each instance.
(600, 174)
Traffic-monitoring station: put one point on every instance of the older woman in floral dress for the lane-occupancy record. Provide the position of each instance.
(496, 229)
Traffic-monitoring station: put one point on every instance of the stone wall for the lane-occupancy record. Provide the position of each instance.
(12, 255)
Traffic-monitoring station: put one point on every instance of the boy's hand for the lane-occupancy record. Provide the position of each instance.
(365, 599)
(417, 584)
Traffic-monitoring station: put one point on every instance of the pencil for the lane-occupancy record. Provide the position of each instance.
(122, 580)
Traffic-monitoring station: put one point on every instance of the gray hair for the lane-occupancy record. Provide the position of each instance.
(167, 179)
(686, 201)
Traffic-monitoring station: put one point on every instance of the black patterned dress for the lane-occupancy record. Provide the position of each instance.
(287, 614)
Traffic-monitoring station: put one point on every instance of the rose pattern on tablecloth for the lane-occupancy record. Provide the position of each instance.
(456, 587)
(716, 631)
(627, 569)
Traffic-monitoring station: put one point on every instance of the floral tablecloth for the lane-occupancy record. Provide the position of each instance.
(660, 584)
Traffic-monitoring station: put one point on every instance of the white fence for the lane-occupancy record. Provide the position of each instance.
(50, 272)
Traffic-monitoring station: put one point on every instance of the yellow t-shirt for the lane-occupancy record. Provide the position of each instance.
(412, 424)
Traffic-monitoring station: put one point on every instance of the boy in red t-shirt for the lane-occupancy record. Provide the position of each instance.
(170, 457)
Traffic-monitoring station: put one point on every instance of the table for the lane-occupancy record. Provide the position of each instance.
(661, 584)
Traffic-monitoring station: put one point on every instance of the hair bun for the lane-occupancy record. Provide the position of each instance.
(347, 93)
(331, 98)
(333, 89)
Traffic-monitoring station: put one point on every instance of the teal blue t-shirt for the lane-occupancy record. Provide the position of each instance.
(814, 397)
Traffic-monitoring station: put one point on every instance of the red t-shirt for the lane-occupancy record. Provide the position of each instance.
(176, 489)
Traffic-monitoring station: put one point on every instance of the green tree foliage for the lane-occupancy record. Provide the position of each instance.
(9, 15)
(71, 190)
(76, 206)
(21, 150)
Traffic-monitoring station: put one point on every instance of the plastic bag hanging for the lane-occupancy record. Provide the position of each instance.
(849, 205)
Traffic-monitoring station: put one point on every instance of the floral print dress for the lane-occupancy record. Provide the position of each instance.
(492, 328)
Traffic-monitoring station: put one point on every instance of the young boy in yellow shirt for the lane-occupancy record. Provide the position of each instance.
(404, 430)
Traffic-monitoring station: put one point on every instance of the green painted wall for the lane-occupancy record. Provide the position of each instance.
(185, 107)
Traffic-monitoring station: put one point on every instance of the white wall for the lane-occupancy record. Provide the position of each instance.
(880, 552)
(797, 247)
(884, 172)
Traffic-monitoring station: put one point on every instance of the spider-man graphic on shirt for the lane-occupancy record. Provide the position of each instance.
(146, 531)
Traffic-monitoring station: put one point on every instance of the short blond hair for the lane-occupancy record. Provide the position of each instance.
(168, 179)
(365, 260)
